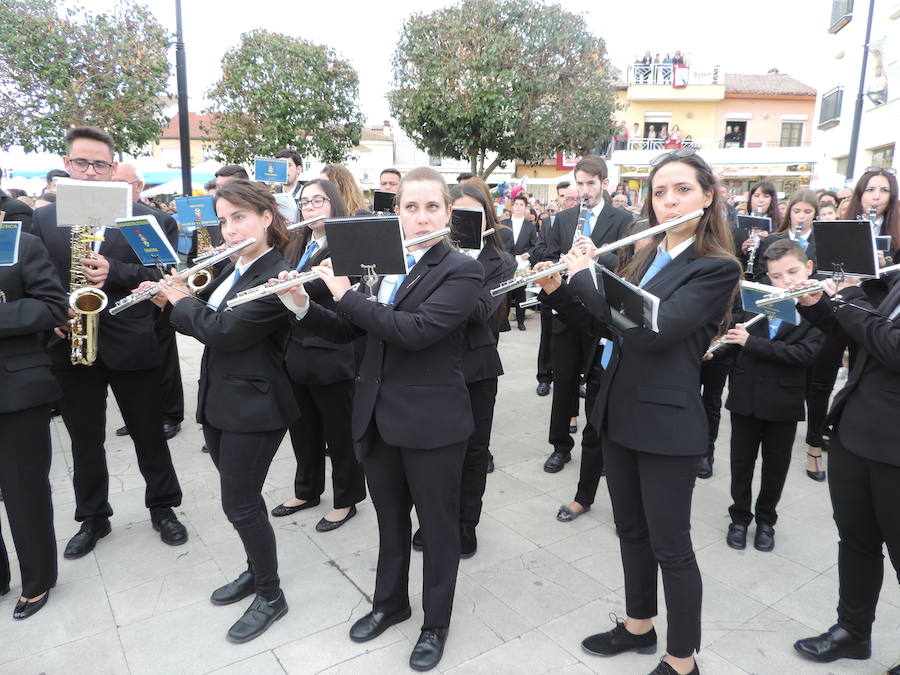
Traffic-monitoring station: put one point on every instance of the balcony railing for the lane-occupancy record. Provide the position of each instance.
(701, 144)
(671, 74)
(830, 111)
(841, 14)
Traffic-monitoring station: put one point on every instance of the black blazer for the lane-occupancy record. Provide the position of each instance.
(864, 411)
(528, 237)
(768, 377)
(126, 341)
(481, 360)
(410, 382)
(16, 210)
(243, 386)
(649, 398)
(311, 359)
(760, 268)
(32, 304)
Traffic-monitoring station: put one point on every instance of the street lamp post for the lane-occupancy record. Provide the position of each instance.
(184, 124)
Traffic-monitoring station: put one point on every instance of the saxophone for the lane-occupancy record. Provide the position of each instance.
(204, 243)
(86, 301)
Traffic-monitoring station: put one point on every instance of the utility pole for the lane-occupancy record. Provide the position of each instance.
(184, 123)
(857, 113)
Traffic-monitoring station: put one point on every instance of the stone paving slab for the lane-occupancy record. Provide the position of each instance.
(534, 590)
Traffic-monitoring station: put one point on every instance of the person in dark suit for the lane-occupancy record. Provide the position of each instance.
(863, 458)
(32, 303)
(321, 374)
(245, 401)
(569, 348)
(651, 419)
(544, 363)
(128, 361)
(520, 239)
(15, 210)
(765, 397)
(412, 417)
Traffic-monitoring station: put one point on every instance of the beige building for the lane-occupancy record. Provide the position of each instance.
(202, 136)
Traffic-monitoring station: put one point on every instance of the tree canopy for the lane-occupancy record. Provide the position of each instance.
(513, 77)
(62, 67)
(278, 92)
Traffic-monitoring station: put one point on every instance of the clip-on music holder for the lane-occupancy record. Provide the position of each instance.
(372, 245)
(370, 278)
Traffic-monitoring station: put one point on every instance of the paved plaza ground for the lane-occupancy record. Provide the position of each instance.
(535, 588)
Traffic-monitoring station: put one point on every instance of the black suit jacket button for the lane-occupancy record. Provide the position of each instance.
(377, 380)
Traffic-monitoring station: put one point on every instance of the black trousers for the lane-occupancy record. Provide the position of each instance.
(713, 375)
(24, 471)
(325, 411)
(83, 408)
(777, 439)
(515, 298)
(568, 351)
(651, 500)
(544, 365)
(867, 515)
(170, 369)
(820, 379)
(400, 478)
(483, 395)
(243, 462)
(591, 447)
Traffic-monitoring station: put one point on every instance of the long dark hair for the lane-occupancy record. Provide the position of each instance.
(293, 250)
(768, 188)
(891, 219)
(805, 196)
(712, 238)
(256, 197)
(490, 218)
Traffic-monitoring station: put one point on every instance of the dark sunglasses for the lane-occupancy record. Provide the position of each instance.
(680, 153)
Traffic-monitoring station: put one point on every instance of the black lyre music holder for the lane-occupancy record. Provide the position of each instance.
(371, 245)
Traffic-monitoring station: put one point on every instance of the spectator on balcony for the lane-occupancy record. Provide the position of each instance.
(651, 132)
(656, 60)
(647, 59)
(636, 137)
(678, 58)
(674, 139)
(620, 136)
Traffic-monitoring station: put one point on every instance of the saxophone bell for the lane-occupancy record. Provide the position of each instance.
(199, 280)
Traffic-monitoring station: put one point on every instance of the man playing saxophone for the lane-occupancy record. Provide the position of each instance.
(121, 353)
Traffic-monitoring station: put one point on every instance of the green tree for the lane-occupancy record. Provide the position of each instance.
(280, 92)
(62, 67)
(513, 77)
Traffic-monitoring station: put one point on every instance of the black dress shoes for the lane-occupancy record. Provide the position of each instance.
(522, 326)
(833, 645)
(665, 669)
(619, 640)
(417, 541)
(259, 616)
(25, 609)
(765, 538)
(468, 542)
(204, 449)
(374, 624)
(83, 543)
(429, 649)
(817, 475)
(235, 591)
(281, 510)
(171, 531)
(705, 469)
(543, 389)
(122, 431)
(556, 461)
(567, 515)
(171, 430)
(737, 536)
(328, 525)
(894, 671)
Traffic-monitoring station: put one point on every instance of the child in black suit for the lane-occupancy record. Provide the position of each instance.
(766, 396)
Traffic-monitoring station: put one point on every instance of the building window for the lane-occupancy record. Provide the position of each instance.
(842, 165)
(791, 134)
(830, 112)
(883, 157)
(841, 14)
(735, 134)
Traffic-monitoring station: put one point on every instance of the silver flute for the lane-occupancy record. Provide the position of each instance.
(781, 296)
(720, 342)
(304, 223)
(209, 261)
(267, 289)
(557, 268)
(890, 269)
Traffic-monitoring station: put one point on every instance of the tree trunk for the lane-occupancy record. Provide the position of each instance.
(473, 163)
(486, 172)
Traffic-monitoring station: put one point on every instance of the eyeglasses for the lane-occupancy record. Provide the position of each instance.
(316, 202)
(882, 169)
(680, 153)
(100, 167)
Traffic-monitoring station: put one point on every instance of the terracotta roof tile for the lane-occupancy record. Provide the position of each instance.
(195, 119)
(768, 84)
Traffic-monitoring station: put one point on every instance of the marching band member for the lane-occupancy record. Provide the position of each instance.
(411, 372)
(245, 399)
(322, 375)
(646, 393)
(32, 303)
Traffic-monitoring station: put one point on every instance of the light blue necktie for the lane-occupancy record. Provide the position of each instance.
(310, 252)
(661, 260)
(802, 241)
(236, 278)
(774, 325)
(410, 263)
(586, 230)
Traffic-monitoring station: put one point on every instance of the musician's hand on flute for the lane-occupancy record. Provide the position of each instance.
(547, 284)
(846, 282)
(576, 260)
(812, 298)
(295, 297)
(159, 299)
(173, 288)
(337, 285)
(737, 335)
